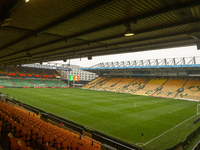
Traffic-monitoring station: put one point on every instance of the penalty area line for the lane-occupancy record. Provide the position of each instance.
(167, 131)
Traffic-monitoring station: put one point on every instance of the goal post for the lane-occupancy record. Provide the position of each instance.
(198, 109)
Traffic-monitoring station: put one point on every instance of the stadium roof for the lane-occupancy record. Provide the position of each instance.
(185, 66)
(41, 31)
(54, 66)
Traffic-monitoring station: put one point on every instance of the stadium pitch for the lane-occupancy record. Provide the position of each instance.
(146, 122)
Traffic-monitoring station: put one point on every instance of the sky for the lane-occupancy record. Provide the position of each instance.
(190, 51)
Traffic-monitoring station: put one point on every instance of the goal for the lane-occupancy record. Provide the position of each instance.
(198, 109)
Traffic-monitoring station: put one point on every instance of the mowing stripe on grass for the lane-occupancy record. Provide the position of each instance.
(168, 131)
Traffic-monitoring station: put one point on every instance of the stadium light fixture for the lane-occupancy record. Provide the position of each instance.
(198, 46)
(129, 31)
(89, 57)
(26, 1)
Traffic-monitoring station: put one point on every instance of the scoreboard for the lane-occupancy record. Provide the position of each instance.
(73, 78)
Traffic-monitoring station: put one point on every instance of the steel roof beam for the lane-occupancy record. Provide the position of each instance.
(58, 22)
(134, 19)
(115, 37)
(136, 33)
(10, 9)
(82, 52)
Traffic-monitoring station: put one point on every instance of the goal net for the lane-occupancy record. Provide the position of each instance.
(198, 109)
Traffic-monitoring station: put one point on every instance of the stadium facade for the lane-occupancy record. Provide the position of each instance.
(83, 75)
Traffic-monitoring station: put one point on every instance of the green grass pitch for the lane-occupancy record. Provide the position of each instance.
(163, 122)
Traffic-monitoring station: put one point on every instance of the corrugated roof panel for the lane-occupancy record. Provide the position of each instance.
(58, 45)
(7, 34)
(112, 12)
(43, 12)
(196, 12)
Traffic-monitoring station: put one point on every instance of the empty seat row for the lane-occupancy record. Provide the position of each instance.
(30, 128)
(160, 87)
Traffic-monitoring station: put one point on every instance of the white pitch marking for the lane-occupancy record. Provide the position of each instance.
(167, 131)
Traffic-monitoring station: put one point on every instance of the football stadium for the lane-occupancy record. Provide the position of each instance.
(143, 104)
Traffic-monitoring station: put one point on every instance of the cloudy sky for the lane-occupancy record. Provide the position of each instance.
(154, 54)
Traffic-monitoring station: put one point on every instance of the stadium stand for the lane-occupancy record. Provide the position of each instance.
(158, 87)
(109, 83)
(18, 71)
(37, 83)
(135, 85)
(151, 87)
(3, 71)
(191, 90)
(121, 84)
(99, 82)
(21, 83)
(61, 83)
(26, 130)
(5, 83)
(169, 91)
(27, 77)
(93, 83)
(51, 83)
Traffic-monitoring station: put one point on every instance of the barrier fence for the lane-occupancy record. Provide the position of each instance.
(108, 143)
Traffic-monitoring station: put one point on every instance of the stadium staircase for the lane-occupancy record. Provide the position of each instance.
(51, 83)
(159, 88)
(111, 82)
(180, 90)
(191, 90)
(151, 87)
(37, 83)
(125, 84)
(137, 85)
(99, 83)
(62, 83)
(20, 83)
(92, 83)
(115, 85)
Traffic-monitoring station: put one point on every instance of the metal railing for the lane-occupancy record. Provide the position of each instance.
(151, 62)
(54, 66)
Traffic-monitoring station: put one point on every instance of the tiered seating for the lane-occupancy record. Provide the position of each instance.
(21, 83)
(16, 71)
(51, 83)
(110, 83)
(170, 88)
(165, 87)
(37, 83)
(31, 83)
(99, 83)
(135, 85)
(120, 85)
(31, 129)
(3, 70)
(5, 83)
(92, 83)
(55, 73)
(61, 83)
(191, 90)
(151, 87)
